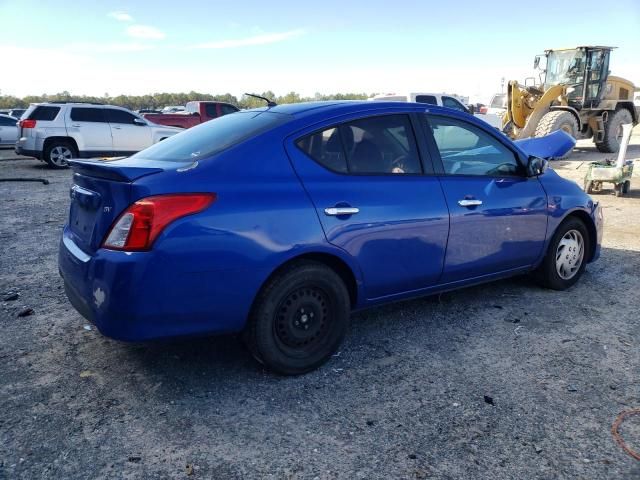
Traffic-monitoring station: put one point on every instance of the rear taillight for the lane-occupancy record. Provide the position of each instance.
(139, 225)
(27, 123)
(484, 110)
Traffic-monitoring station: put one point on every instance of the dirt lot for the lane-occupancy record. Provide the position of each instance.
(503, 381)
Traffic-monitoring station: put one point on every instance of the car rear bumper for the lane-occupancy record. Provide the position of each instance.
(138, 296)
(28, 153)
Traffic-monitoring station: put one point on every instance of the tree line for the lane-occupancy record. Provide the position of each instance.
(159, 100)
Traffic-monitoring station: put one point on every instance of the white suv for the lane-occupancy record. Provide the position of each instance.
(56, 132)
(442, 100)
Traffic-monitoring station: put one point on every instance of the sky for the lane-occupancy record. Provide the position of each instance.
(138, 47)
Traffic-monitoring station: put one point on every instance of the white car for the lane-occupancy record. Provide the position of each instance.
(8, 130)
(440, 99)
(56, 132)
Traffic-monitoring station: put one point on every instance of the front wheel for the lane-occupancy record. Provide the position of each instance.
(299, 319)
(566, 257)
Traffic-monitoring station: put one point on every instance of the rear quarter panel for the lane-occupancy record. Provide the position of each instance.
(261, 219)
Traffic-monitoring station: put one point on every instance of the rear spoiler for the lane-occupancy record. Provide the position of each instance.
(554, 145)
(119, 169)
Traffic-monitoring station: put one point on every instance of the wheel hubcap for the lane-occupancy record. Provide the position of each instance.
(567, 128)
(60, 155)
(569, 254)
(302, 318)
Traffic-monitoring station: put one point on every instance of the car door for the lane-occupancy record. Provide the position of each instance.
(372, 196)
(8, 130)
(130, 133)
(498, 214)
(89, 127)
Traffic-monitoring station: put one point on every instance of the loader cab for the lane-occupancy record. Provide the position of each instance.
(583, 70)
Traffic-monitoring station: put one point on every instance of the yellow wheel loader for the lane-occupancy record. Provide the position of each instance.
(575, 93)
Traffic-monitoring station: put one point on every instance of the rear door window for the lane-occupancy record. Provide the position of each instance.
(211, 109)
(227, 109)
(88, 114)
(44, 113)
(430, 99)
(375, 145)
(326, 148)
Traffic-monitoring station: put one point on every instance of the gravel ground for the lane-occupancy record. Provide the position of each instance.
(502, 381)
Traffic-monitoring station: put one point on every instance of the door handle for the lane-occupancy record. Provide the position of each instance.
(75, 125)
(335, 211)
(467, 202)
(117, 128)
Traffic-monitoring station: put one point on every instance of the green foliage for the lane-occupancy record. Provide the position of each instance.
(159, 100)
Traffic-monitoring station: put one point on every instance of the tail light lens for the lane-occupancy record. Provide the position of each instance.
(483, 110)
(138, 226)
(27, 123)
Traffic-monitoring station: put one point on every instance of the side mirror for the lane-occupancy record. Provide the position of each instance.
(139, 122)
(536, 61)
(536, 166)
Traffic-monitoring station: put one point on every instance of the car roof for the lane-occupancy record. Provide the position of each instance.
(338, 107)
(7, 116)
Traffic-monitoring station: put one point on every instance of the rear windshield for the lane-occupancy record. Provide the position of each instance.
(44, 113)
(212, 137)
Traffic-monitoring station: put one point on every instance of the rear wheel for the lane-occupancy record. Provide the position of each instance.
(627, 187)
(566, 257)
(299, 318)
(58, 153)
(613, 131)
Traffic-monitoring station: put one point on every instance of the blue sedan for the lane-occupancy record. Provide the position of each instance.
(278, 222)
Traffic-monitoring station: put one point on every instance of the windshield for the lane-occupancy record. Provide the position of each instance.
(212, 137)
(565, 67)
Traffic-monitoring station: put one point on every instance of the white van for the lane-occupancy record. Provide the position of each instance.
(441, 99)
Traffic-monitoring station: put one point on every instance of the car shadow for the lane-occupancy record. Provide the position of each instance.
(197, 364)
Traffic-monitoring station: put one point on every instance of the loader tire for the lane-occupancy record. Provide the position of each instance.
(613, 131)
(557, 120)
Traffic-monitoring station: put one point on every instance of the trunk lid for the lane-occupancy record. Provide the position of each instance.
(101, 191)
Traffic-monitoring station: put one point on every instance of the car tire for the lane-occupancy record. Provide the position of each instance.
(588, 186)
(613, 131)
(566, 257)
(299, 318)
(626, 187)
(57, 153)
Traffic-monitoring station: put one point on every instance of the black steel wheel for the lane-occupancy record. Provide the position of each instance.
(299, 319)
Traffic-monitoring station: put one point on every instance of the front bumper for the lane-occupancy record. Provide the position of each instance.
(136, 296)
(598, 220)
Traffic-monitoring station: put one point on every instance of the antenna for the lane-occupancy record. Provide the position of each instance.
(270, 103)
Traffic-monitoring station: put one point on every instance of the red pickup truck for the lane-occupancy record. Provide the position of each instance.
(195, 113)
